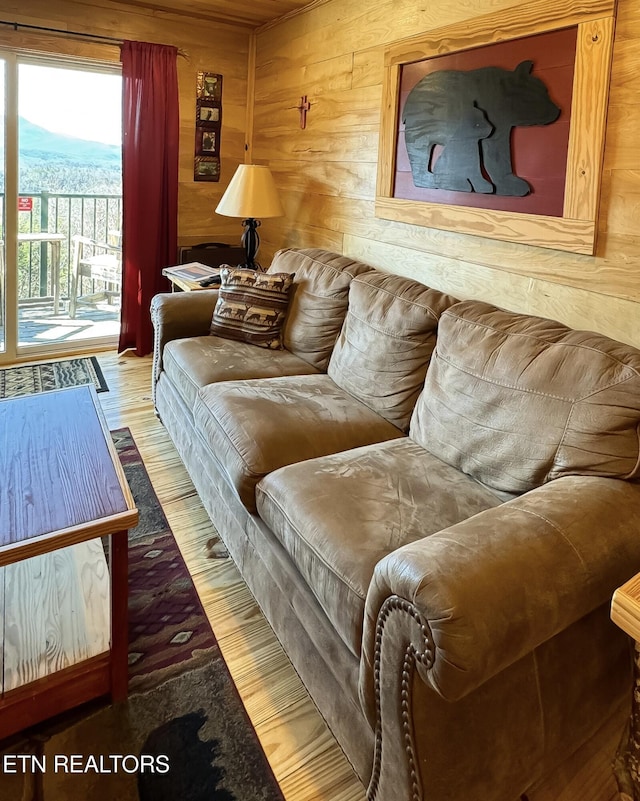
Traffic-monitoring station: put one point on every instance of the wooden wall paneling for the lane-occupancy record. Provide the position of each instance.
(333, 31)
(356, 110)
(345, 214)
(625, 88)
(345, 26)
(347, 178)
(251, 100)
(575, 236)
(628, 22)
(284, 79)
(296, 235)
(368, 66)
(623, 125)
(613, 273)
(499, 24)
(341, 146)
(577, 308)
(622, 201)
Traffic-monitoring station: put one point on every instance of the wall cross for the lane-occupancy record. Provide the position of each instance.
(303, 106)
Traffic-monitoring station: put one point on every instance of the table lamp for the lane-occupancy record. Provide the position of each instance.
(252, 193)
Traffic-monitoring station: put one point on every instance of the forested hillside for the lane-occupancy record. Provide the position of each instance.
(51, 162)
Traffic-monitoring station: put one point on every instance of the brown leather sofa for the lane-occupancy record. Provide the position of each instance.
(434, 535)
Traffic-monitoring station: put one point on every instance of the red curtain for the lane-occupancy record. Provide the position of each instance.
(150, 124)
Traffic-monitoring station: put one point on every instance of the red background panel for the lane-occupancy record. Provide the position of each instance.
(539, 152)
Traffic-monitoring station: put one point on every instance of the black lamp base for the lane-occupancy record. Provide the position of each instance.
(251, 242)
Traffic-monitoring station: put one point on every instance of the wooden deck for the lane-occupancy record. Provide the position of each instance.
(39, 326)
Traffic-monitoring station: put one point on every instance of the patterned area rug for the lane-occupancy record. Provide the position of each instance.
(31, 378)
(183, 734)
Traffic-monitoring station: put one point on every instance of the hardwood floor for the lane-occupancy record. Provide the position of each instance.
(305, 758)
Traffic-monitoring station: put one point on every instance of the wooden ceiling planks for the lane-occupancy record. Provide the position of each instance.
(252, 14)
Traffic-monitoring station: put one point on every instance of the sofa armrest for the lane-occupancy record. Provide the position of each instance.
(490, 589)
(177, 315)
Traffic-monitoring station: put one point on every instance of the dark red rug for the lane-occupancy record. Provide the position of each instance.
(183, 734)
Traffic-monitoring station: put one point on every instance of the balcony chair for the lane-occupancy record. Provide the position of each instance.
(97, 261)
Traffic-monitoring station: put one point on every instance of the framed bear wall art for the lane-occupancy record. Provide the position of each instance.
(500, 134)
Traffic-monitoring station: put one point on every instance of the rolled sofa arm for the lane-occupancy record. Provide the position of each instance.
(177, 315)
(490, 589)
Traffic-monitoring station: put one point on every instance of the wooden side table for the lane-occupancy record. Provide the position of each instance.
(625, 613)
(61, 484)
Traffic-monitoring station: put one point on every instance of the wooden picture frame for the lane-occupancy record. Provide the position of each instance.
(575, 229)
(206, 164)
(206, 168)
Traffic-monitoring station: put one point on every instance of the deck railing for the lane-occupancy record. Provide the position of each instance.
(95, 216)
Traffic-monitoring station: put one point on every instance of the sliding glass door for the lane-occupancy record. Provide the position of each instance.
(61, 206)
(2, 196)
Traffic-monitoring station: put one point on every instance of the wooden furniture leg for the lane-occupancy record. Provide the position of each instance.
(118, 564)
(627, 762)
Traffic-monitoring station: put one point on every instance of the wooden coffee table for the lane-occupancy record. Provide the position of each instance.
(63, 609)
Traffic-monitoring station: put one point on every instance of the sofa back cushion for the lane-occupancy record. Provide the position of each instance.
(318, 300)
(384, 348)
(516, 401)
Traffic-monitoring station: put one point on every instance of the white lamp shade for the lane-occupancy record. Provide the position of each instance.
(251, 193)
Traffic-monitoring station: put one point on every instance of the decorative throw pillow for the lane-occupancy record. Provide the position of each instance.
(252, 306)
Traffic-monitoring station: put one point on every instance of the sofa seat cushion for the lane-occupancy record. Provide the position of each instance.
(197, 361)
(516, 401)
(254, 427)
(386, 342)
(339, 515)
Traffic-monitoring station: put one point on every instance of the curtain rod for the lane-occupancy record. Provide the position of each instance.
(60, 32)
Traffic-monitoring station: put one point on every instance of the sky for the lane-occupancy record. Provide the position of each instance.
(86, 105)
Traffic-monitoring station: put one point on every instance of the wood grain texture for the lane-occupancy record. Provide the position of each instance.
(119, 617)
(588, 116)
(54, 694)
(62, 483)
(303, 754)
(319, 213)
(251, 15)
(575, 230)
(514, 22)
(625, 607)
(56, 612)
(58, 471)
(575, 236)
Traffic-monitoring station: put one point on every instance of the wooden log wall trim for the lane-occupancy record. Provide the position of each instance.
(586, 138)
(576, 236)
(326, 174)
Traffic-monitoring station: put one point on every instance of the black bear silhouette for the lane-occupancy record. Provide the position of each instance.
(471, 115)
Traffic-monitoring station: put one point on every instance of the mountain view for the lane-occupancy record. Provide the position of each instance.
(57, 163)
